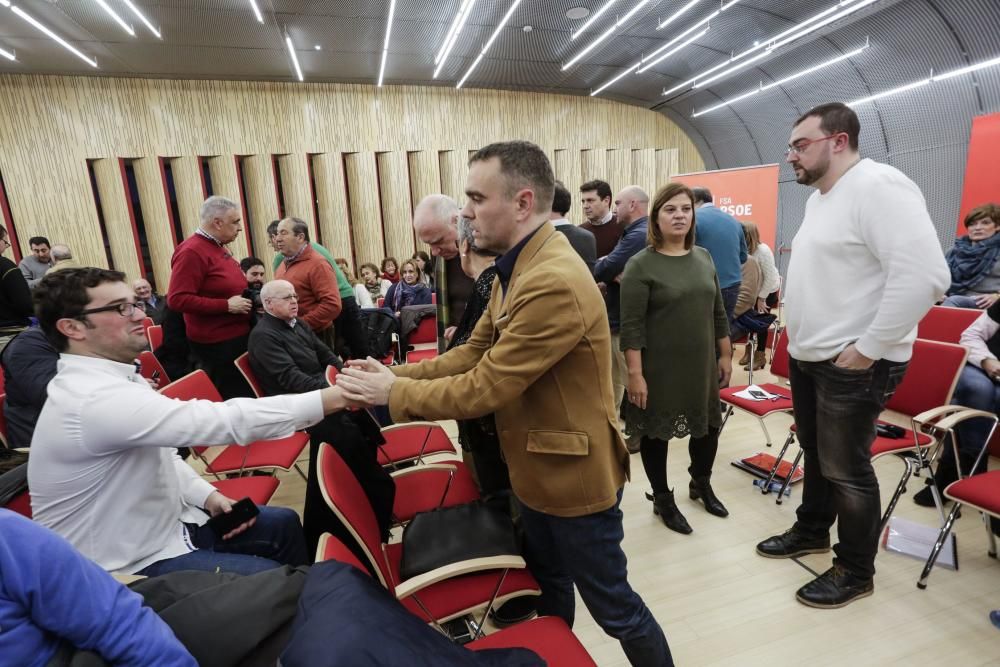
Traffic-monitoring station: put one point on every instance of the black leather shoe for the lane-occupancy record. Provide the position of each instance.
(701, 488)
(665, 507)
(924, 497)
(791, 544)
(835, 588)
(515, 611)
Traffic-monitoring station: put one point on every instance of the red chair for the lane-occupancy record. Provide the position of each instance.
(422, 343)
(149, 364)
(236, 459)
(981, 492)
(926, 389)
(762, 409)
(437, 596)
(155, 336)
(407, 443)
(945, 324)
(423, 488)
(243, 364)
(21, 503)
(146, 323)
(548, 636)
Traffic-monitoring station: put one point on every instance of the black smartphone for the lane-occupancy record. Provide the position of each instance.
(242, 511)
(757, 394)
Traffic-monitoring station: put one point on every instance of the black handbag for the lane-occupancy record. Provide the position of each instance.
(453, 534)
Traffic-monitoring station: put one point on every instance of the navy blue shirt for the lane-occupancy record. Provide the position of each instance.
(505, 262)
(722, 236)
(608, 268)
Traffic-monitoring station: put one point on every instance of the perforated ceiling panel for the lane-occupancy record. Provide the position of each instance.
(922, 131)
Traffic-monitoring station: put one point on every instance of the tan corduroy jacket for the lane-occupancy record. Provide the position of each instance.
(540, 359)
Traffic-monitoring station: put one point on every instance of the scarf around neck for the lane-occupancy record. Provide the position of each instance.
(971, 262)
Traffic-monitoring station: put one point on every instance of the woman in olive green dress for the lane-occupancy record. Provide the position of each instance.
(675, 337)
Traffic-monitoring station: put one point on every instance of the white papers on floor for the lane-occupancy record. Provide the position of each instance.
(916, 540)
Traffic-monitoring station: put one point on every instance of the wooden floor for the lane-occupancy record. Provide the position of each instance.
(721, 604)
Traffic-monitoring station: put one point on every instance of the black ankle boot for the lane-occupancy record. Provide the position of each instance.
(701, 487)
(665, 507)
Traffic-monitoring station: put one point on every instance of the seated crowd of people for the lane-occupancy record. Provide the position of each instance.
(561, 353)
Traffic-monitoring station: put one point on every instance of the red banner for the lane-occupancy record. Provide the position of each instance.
(982, 178)
(748, 194)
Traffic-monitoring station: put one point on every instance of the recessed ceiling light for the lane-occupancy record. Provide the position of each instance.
(527, 28)
(577, 13)
(318, 47)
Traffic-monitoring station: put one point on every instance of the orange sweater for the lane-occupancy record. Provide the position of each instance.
(316, 286)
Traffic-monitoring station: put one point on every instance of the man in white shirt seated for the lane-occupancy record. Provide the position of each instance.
(104, 472)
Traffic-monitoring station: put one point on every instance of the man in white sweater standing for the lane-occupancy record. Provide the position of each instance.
(866, 266)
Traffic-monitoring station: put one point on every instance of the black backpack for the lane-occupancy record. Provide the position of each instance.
(379, 326)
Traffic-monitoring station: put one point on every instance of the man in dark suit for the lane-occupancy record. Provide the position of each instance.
(540, 360)
(155, 303)
(583, 242)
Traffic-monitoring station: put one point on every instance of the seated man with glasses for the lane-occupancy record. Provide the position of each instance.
(288, 358)
(104, 473)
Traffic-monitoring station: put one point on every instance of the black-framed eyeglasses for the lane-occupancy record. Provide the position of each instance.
(124, 309)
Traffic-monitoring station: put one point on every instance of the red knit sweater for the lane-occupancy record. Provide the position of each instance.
(202, 279)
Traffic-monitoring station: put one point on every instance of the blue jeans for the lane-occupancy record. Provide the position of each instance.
(274, 540)
(835, 413)
(961, 301)
(586, 551)
(730, 295)
(975, 390)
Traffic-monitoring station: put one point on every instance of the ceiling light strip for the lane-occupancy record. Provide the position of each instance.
(142, 17)
(489, 43)
(607, 33)
(9, 55)
(596, 15)
(680, 12)
(934, 78)
(768, 46)
(113, 14)
(677, 48)
(5, 3)
(456, 28)
(43, 28)
(385, 44)
(256, 11)
(774, 84)
(295, 58)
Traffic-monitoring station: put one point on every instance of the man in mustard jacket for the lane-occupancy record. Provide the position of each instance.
(540, 360)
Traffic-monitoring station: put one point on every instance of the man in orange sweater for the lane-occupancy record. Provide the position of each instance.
(311, 275)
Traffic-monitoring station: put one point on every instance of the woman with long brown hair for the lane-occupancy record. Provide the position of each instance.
(675, 336)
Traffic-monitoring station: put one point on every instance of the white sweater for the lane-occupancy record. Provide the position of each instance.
(772, 279)
(866, 266)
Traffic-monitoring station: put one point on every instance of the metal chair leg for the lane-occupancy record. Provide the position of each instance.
(990, 537)
(788, 478)
(777, 461)
(767, 434)
(900, 488)
(942, 536)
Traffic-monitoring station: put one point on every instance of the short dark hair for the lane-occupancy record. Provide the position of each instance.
(248, 263)
(702, 195)
(654, 236)
(836, 117)
(368, 265)
(987, 211)
(272, 227)
(299, 226)
(39, 240)
(395, 262)
(64, 294)
(602, 187)
(562, 200)
(523, 164)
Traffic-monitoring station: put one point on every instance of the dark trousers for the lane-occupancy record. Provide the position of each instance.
(976, 390)
(216, 359)
(730, 295)
(479, 437)
(349, 329)
(274, 540)
(360, 455)
(587, 551)
(835, 413)
(702, 451)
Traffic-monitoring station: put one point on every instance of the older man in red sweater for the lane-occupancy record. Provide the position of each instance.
(312, 277)
(206, 285)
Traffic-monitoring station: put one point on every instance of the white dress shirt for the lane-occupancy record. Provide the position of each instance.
(104, 473)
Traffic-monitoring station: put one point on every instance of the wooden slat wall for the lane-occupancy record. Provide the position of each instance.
(394, 190)
(644, 170)
(225, 183)
(366, 218)
(262, 200)
(295, 186)
(154, 215)
(53, 125)
(116, 218)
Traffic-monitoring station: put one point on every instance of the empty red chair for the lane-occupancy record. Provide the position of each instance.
(945, 324)
(150, 365)
(261, 455)
(259, 489)
(422, 343)
(443, 594)
(155, 336)
(548, 636)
